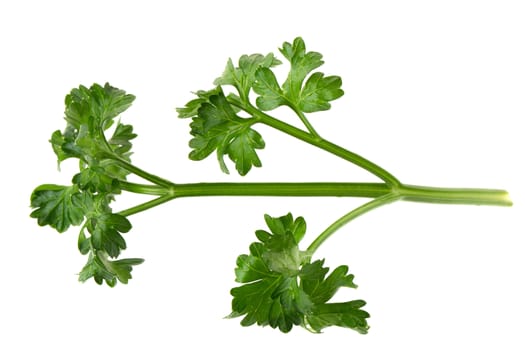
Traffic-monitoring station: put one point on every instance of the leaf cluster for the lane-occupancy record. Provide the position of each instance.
(282, 288)
(218, 128)
(216, 123)
(90, 113)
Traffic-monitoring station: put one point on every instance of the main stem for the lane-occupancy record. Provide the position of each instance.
(410, 193)
(383, 193)
(316, 189)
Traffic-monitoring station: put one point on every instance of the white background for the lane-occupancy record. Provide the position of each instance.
(434, 92)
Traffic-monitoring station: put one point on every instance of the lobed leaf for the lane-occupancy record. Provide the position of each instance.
(191, 109)
(347, 315)
(322, 288)
(280, 288)
(106, 230)
(270, 93)
(88, 113)
(101, 269)
(101, 103)
(120, 141)
(96, 179)
(243, 76)
(217, 128)
(59, 206)
(301, 62)
(310, 96)
(317, 91)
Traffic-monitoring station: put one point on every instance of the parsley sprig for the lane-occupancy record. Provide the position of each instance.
(282, 288)
(281, 285)
(89, 114)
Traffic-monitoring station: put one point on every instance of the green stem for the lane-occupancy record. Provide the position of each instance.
(319, 142)
(454, 195)
(381, 193)
(380, 201)
(411, 193)
(370, 190)
(310, 189)
(418, 194)
(139, 172)
(331, 148)
(143, 189)
(306, 122)
(146, 205)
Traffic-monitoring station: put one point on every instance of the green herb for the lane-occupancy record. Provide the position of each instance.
(280, 283)
(282, 288)
(218, 128)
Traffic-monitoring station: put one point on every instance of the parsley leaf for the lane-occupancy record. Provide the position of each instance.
(216, 127)
(271, 94)
(90, 113)
(120, 141)
(243, 76)
(348, 315)
(63, 144)
(320, 289)
(59, 206)
(96, 106)
(191, 109)
(282, 288)
(302, 63)
(310, 96)
(102, 174)
(317, 91)
(101, 269)
(95, 179)
(106, 229)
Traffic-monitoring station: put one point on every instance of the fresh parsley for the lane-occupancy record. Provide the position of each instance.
(280, 283)
(282, 288)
